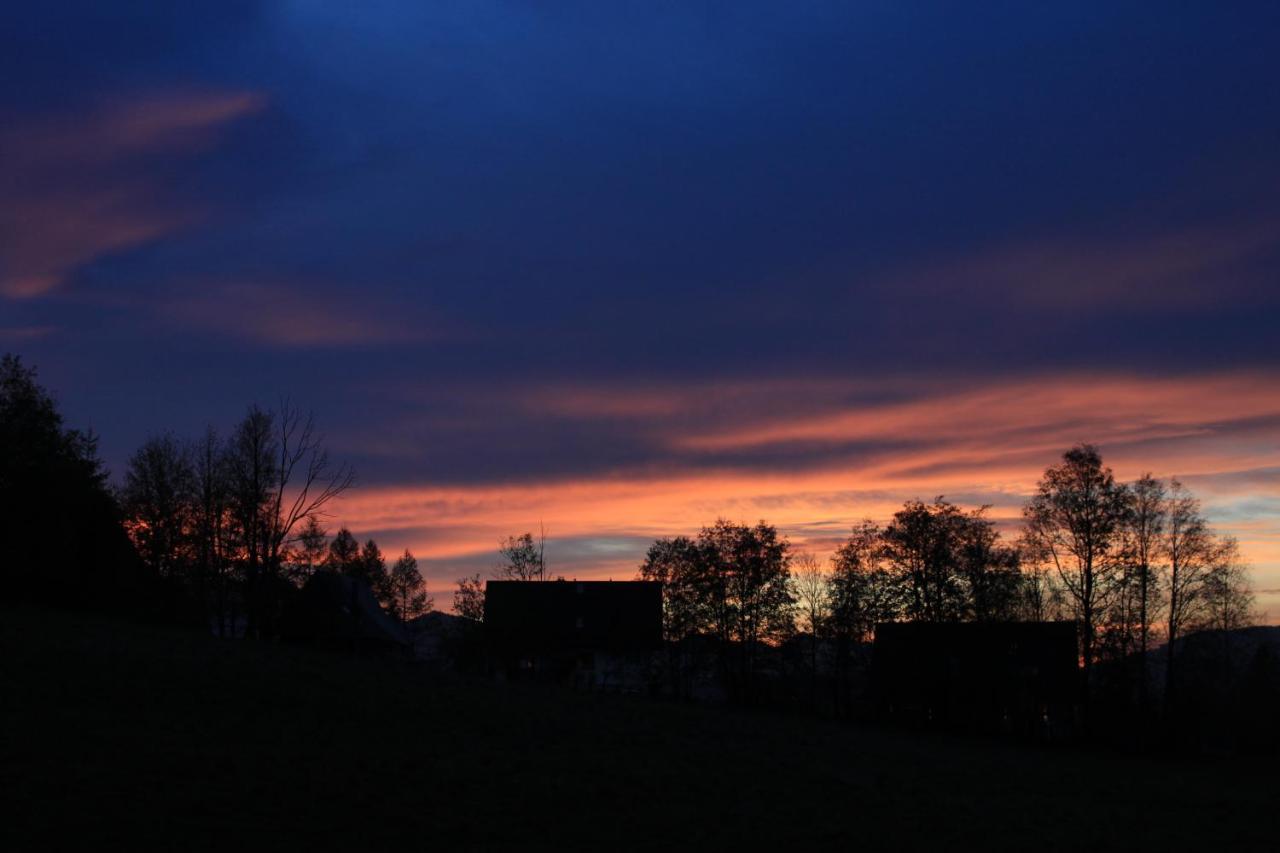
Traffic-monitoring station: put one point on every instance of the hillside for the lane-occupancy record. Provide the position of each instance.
(151, 737)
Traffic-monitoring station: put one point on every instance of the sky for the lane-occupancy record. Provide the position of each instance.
(618, 270)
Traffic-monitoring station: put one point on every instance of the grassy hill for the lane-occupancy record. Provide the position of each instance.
(126, 735)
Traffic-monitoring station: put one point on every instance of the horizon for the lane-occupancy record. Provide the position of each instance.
(621, 274)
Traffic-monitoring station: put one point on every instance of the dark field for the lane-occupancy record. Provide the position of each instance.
(119, 735)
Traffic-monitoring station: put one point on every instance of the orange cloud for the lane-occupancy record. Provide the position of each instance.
(76, 190)
(982, 444)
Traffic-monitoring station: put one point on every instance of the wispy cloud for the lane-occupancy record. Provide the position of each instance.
(18, 334)
(1176, 269)
(286, 316)
(74, 189)
(715, 451)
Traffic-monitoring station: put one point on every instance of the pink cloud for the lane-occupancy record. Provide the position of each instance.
(76, 189)
(285, 316)
(985, 443)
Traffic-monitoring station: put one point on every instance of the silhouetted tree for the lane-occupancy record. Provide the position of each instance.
(313, 545)
(468, 598)
(212, 538)
(812, 592)
(1074, 522)
(951, 562)
(756, 564)
(1040, 594)
(989, 570)
(864, 592)
(693, 602)
(61, 525)
(344, 554)
(280, 474)
(523, 559)
(733, 583)
(409, 598)
(690, 595)
(250, 464)
(372, 569)
(1143, 532)
(159, 504)
(1193, 552)
(917, 544)
(305, 480)
(811, 589)
(1228, 597)
(750, 581)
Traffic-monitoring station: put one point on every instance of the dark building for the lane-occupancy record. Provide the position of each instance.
(1011, 677)
(598, 634)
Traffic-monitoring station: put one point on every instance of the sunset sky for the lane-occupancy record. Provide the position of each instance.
(621, 269)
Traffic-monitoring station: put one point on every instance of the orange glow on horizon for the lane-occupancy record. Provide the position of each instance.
(985, 445)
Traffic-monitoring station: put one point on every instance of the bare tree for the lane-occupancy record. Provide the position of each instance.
(305, 480)
(523, 558)
(1143, 532)
(212, 529)
(159, 503)
(1193, 552)
(280, 475)
(468, 598)
(250, 459)
(812, 592)
(1228, 597)
(1073, 523)
(1040, 594)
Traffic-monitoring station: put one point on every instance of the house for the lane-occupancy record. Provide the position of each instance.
(1002, 677)
(335, 611)
(593, 634)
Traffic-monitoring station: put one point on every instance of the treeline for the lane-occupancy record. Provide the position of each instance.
(219, 530)
(237, 522)
(1133, 564)
(57, 512)
(222, 529)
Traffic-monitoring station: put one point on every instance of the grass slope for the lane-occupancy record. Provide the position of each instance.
(130, 736)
